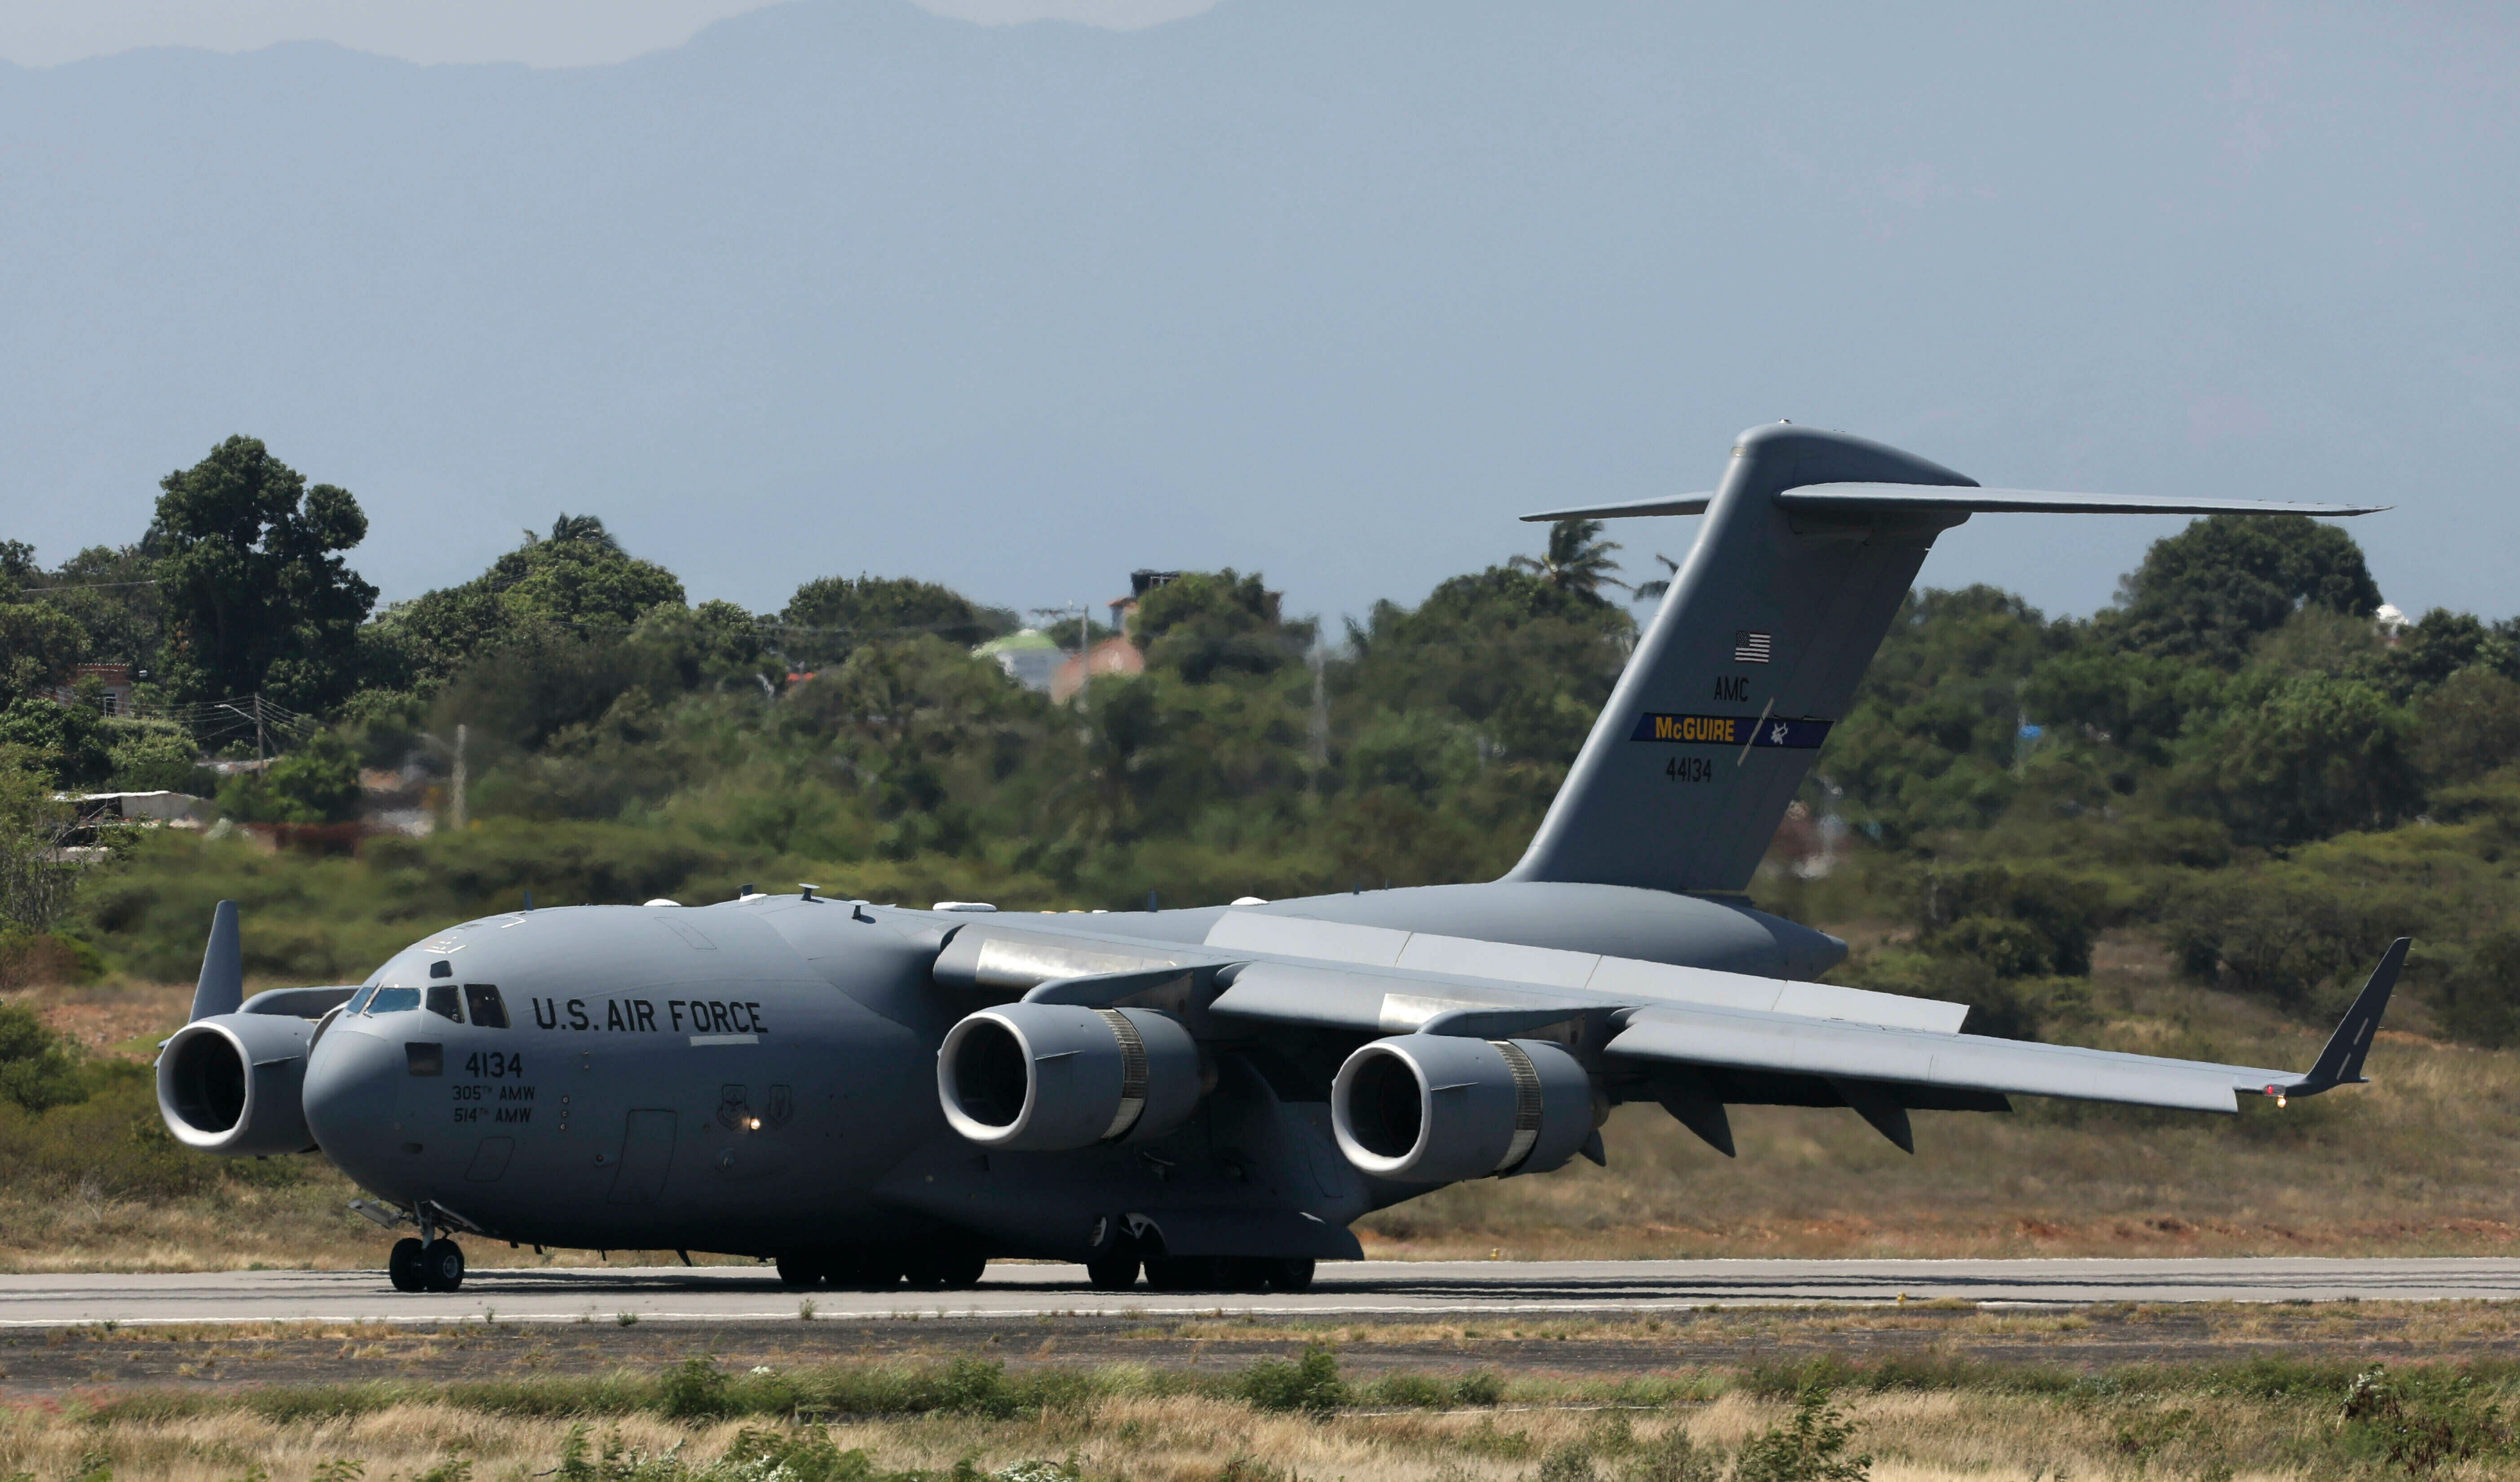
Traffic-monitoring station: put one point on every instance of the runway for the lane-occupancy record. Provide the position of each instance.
(1389, 1289)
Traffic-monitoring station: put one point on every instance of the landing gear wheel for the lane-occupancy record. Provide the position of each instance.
(402, 1266)
(798, 1272)
(1112, 1273)
(964, 1270)
(441, 1266)
(1290, 1274)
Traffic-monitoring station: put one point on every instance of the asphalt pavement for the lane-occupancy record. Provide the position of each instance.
(1356, 1289)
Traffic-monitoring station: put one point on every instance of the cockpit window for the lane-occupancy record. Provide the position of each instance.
(487, 1010)
(442, 1001)
(359, 999)
(394, 1000)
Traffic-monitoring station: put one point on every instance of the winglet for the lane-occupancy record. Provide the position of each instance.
(221, 987)
(2341, 1063)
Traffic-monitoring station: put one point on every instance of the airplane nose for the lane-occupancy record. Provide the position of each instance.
(352, 1080)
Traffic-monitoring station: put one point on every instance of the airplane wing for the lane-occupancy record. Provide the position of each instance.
(1719, 1032)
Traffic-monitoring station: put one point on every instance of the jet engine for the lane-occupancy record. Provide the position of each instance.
(1432, 1108)
(231, 1084)
(1049, 1077)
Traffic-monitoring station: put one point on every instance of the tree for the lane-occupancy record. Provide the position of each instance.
(1576, 560)
(2210, 590)
(66, 744)
(579, 580)
(36, 885)
(39, 645)
(2471, 726)
(1523, 663)
(831, 617)
(317, 784)
(1932, 735)
(2306, 758)
(1205, 624)
(582, 527)
(2433, 650)
(112, 593)
(2138, 702)
(259, 596)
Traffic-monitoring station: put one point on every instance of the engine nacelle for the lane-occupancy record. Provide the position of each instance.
(1049, 1077)
(1433, 1109)
(233, 1084)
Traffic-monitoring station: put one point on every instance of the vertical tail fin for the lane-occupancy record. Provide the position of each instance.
(1805, 552)
(221, 987)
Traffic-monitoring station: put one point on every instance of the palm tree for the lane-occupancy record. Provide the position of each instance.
(585, 528)
(1647, 591)
(1578, 561)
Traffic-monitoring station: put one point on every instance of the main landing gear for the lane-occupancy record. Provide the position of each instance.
(425, 1266)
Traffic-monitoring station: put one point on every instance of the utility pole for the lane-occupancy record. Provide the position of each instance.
(261, 751)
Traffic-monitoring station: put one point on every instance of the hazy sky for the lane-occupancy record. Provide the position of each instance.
(1329, 289)
(538, 33)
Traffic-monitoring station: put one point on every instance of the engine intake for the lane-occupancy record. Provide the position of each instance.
(234, 1084)
(1049, 1077)
(1431, 1108)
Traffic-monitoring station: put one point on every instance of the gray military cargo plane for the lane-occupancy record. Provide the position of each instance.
(872, 1094)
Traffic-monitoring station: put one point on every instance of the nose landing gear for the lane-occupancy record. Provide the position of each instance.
(430, 1266)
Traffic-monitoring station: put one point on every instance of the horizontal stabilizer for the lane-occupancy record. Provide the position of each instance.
(1856, 497)
(1670, 504)
(1967, 499)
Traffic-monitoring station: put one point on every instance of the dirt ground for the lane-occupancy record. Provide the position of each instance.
(51, 1363)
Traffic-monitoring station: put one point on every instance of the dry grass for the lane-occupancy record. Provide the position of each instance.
(1187, 1438)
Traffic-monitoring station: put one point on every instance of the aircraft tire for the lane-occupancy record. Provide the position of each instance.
(798, 1272)
(1117, 1271)
(1290, 1274)
(402, 1266)
(441, 1266)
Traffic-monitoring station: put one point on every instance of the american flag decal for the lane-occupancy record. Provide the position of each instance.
(1751, 648)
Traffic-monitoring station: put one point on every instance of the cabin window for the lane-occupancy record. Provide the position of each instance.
(394, 1000)
(359, 999)
(488, 1011)
(442, 1001)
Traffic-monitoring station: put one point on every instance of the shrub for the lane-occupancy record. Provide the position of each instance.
(1810, 1446)
(695, 1390)
(2420, 1422)
(1310, 1386)
(35, 1070)
(1673, 1456)
(1415, 1390)
(2480, 999)
(1480, 1387)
